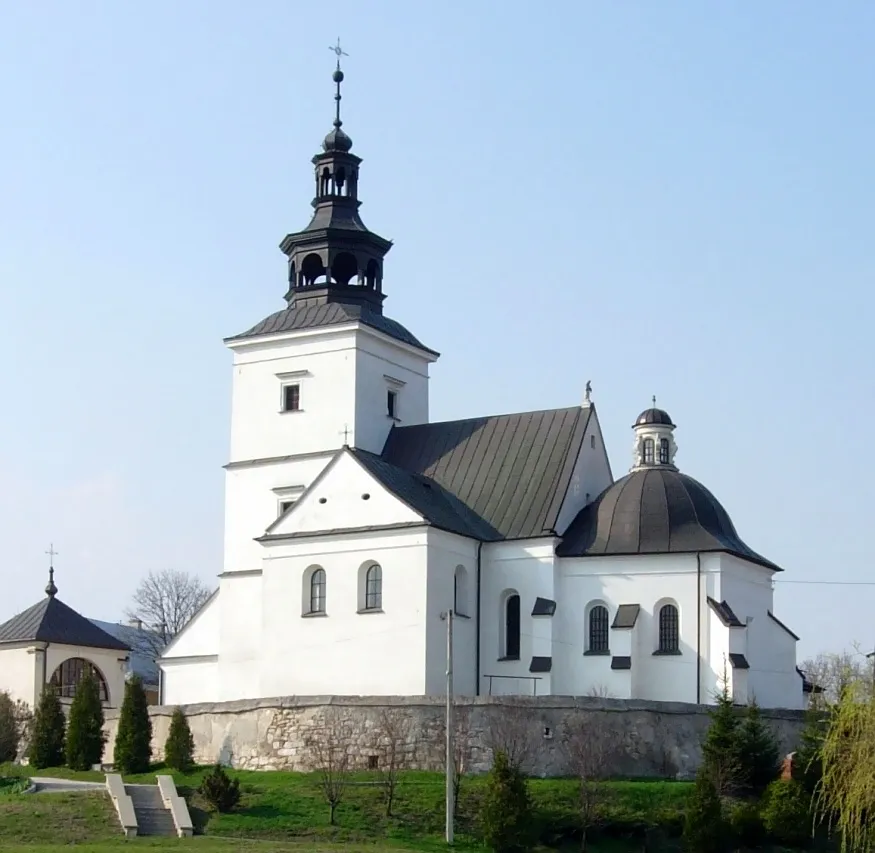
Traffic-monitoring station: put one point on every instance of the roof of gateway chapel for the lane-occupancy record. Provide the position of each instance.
(52, 621)
(510, 472)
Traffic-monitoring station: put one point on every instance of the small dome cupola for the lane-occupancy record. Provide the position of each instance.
(654, 440)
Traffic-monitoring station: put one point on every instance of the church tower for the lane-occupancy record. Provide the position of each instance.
(327, 370)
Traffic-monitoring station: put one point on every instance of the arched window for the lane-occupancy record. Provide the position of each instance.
(512, 627)
(374, 588)
(460, 591)
(669, 629)
(65, 679)
(648, 451)
(317, 591)
(598, 629)
(663, 451)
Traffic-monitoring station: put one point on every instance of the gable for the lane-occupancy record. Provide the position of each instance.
(200, 636)
(511, 471)
(346, 495)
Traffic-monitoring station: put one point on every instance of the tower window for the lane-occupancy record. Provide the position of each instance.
(392, 404)
(648, 451)
(374, 588)
(669, 629)
(317, 591)
(663, 451)
(598, 629)
(292, 398)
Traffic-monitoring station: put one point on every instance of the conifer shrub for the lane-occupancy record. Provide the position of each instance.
(705, 830)
(220, 790)
(9, 732)
(85, 737)
(808, 760)
(746, 824)
(720, 756)
(759, 758)
(47, 736)
(179, 747)
(787, 813)
(133, 743)
(506, 809)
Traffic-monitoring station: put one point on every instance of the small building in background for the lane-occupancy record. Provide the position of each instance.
(146, 646)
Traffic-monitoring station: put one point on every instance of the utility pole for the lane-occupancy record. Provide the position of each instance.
(450, 759)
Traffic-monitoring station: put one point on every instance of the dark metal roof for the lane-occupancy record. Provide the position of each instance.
(544, 607)
(655, 511)
(512, 470)
(143, 644)
(778, 622)
(626, 616)
(439, 507)
(52, 621)
(330, 314)
(621, 662)
(738, 660)
(725, 613)
(541, 664)
(653, 416)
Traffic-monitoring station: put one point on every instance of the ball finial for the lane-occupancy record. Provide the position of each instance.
(337, 76)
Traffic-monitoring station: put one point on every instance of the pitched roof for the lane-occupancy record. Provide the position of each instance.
(52, 621)
(329, 314)
(143, 644)
(511, 471)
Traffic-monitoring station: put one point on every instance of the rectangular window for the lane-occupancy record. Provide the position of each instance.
(392, 404)
(292, 398)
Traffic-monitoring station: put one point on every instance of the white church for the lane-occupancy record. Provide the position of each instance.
(354, 524)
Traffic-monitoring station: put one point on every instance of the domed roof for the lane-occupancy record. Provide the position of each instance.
(655, 511)
(653, 416)
(337, 140)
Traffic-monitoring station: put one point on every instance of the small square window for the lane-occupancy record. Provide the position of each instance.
(285, 506)
(291, 398)
(392, 404)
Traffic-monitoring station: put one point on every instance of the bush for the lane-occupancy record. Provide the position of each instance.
(746, 824)
(807, 762)
(506, 811)
(787, 813)
(85, 737)
(220, 790)
(133, 743)
(759, 758)
(179, 748)
(46, 748)
(704, 828)
(9, 734)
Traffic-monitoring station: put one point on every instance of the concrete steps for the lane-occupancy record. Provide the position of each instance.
(152, 816)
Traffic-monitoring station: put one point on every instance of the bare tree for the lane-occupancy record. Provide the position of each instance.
(165, 602)
(392, 733)
(592, 745)
(600, 691)
(461, 747)
(510, 732)
(329, 757)
(834, 673)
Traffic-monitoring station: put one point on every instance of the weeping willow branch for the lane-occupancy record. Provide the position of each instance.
(845, 799)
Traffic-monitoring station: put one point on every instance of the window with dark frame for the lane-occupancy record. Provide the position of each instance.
(285, 506)
(512, 627)
(374, 588)
(65, 679)
(648, 451)
(392, 404)
(598, 629)
(292, 398)
(669, 629)
(663, 451)
(317, 591)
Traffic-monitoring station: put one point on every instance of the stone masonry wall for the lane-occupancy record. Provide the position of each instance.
(658, 740)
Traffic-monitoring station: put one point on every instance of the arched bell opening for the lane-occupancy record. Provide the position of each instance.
(312, 270)
(344, 268)
(325, 182)
(372, 276)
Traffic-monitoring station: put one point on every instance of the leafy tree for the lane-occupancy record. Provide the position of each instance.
(704, 828)
(179, 748)
(85, 737)
(506, 810)
(133, 743)
(220, 790)
(9, 731)
(720, 748)
(759, 758)
(46, 747)
(787, 813)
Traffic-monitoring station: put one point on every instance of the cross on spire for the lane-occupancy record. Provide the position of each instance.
(654, 399)
(338, 79)
(338, 51)
(345, 433)
(51, 589)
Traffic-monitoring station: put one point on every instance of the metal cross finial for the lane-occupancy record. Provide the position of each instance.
(345, 433)
(338, 51)
(654, 399)
(52, 554)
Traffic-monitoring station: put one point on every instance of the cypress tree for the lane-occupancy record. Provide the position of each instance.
(179, 748)
(720, 748)
(759, 758)
(506, 811)
(46, 747)
(9, 734)
(85, 737)
(133, 743)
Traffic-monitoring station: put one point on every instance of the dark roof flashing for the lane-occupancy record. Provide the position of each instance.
(780, 624)
(738, 661)
(626, 616)
(621, 662)
(725, 613)
(541, 664)
(544, 607)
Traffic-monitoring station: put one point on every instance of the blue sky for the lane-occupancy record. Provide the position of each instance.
(665, 198)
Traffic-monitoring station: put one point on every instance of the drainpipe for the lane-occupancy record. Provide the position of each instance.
(698, 629)
(45, 671)
(477, 627)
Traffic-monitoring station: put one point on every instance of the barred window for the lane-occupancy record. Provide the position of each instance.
(669, 629)
(317, 591)
(648, 451)
(598, 629)
(65, 679)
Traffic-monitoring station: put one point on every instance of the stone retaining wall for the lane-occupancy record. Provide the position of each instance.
(655, 739)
